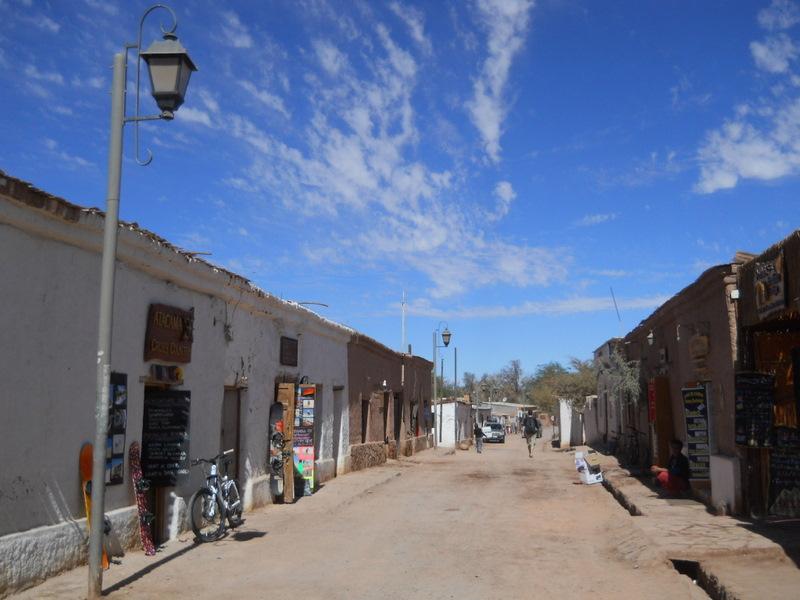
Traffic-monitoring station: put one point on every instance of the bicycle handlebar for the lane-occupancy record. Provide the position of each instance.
(211, 461)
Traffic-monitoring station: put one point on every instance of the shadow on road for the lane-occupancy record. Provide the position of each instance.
(148, 569)
(239, 536)
(783, 531)
(246, 536)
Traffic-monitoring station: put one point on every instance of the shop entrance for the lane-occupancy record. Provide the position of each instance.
(165, 439)
(229, 427)
(338, 409)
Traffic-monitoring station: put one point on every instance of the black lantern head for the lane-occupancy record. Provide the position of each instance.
(446, 336)
(170, 68)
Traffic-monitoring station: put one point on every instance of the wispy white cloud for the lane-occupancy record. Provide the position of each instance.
(774, 54)
(506, 22)
(234, 32)
(70, 161)
(60, 109)
(90, 82)
(43, 22)
(596, 219)
(764, 149)
(504, 194)
(264, 97)
(415, 21)
(611, 273)
(32, 72)
(780, 14)
(645, 171)
(188, 114)
(555, 307)
(329, 56)
(761, 141)
(683, 94)
(106, 6)
(357, 163)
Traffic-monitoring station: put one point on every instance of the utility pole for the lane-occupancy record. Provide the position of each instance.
(441, 408)
(403, 323)
(455, 371)
(436, 424)
(455, 393)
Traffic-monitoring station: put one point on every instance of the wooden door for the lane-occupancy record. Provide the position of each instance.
(229, 429)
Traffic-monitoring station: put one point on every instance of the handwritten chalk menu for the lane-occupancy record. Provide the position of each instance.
(755, 396)
(303, 437)
(785, 481)
(695, 411)
(165, 436)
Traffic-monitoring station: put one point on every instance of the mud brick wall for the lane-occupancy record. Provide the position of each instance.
(364, 456)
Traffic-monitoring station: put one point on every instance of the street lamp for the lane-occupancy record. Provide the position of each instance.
(446, 335)
(169, 67)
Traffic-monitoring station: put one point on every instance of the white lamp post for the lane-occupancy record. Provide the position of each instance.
(170, 68)
(446, 335)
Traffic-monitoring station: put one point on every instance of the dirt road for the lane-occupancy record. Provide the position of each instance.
(468, 525)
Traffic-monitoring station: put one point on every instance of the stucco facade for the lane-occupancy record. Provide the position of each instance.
(50, 278)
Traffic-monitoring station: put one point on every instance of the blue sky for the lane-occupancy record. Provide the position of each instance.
(504, 162)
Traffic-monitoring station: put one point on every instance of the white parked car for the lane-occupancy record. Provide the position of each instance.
(494, 432)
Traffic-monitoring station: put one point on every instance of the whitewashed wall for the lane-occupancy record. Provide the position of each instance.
(49, 282)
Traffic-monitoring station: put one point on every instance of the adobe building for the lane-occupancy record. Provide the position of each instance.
(390, 395)
(767, 397)
(686, 351)
(602, 413)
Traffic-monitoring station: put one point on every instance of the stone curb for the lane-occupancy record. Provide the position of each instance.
(620, 497)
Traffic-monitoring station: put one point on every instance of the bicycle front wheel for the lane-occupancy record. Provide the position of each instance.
(206, 515)
(235, 504)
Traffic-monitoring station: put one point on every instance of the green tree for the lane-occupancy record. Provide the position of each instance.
(469, 383)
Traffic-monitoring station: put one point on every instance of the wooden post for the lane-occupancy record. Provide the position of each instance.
(286, 396)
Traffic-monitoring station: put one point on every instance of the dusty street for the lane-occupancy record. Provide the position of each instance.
(468, 525)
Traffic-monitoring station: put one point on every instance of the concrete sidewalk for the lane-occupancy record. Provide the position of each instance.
(738, 558)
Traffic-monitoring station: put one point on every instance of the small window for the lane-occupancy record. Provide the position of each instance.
(288, 352)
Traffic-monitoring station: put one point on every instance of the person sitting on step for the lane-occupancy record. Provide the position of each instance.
(674, 478)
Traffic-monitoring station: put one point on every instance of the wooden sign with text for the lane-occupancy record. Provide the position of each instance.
(169, 334)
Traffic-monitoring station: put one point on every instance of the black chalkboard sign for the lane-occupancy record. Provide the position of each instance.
(165, 436)
(785, 481)
(695, 412)
(755, 397)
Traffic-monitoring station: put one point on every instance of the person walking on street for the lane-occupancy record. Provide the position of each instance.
(530, 428)
(479, 435)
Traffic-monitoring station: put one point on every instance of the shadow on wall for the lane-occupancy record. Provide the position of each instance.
(44, 504)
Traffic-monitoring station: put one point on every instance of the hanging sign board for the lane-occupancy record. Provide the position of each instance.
(695, 411)
(169, 334)
(755, 396)
(165, 437)
(303, 436)
(770, 287)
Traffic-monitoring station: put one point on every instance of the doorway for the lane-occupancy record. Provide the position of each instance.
(338, 410)
(398, 416)
(229, 427)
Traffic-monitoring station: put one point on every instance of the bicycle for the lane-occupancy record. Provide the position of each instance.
(219, 500)
(633, 454)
